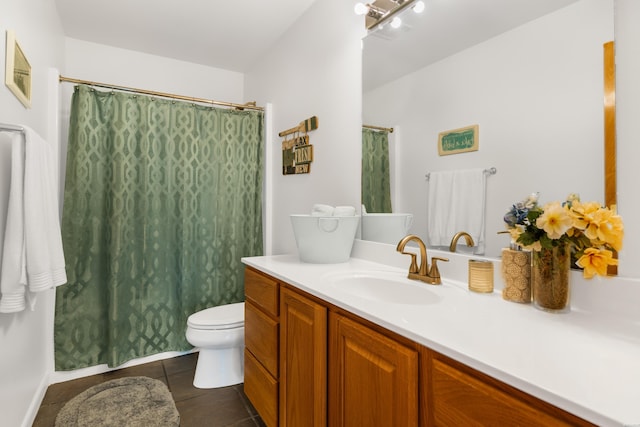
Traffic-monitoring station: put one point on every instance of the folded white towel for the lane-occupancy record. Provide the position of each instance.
(322, 210)
(456, 202)
(328, 210)
(32, 256)
(344, 211)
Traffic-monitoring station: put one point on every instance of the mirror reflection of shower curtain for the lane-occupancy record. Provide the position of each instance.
(376, 184)
(162, 199)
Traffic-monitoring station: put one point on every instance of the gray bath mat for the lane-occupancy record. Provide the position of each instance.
(129, 401)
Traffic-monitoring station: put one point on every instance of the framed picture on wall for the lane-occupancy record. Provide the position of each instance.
(18, 71)
(458, 140)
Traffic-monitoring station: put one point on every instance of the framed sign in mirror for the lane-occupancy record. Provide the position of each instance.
(18, 71)
(458, 140)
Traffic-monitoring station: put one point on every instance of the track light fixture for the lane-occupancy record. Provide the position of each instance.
(378, 12)
(361, 9)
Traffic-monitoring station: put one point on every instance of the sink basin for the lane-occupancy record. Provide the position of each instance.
(383, 286)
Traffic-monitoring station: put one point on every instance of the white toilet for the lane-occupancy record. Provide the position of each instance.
(219, 333)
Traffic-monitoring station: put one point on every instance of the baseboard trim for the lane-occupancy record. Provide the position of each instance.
(36, 401)
(62, 376)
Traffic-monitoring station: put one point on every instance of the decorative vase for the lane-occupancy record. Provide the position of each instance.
(516, 273)
(550, 278)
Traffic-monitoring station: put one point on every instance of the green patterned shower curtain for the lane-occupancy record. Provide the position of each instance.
(161, 201)
(376, 186)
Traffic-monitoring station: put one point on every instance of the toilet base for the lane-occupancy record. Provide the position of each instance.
(208, 373)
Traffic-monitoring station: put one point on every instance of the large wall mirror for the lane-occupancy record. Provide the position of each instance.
(528, 73)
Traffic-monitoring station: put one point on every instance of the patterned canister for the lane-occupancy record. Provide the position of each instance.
(516, 273)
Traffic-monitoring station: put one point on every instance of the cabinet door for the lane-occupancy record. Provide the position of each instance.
(303, 361)
(373, 380)
(458, 395)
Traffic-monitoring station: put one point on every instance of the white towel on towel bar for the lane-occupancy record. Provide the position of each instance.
(32, 258)
(13, 278)
(456, 202)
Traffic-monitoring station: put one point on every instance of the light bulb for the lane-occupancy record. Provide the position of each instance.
(361, 9)
(396, 22)
(418, 7)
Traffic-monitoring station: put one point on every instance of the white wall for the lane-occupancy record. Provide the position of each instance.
(26, 337)
(106, 64)
(540, 115)
(315, 69)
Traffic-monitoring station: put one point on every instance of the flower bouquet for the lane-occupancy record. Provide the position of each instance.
(558, 232)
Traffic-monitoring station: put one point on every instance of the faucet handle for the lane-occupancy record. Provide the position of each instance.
(434, 273)
(413, 268)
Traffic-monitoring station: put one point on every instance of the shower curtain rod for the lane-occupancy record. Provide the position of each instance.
(390, 130)
(249, 105)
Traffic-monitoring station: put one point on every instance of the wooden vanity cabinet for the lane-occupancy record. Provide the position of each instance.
(373, 379)
(454, 394)
(261, 357)
(309, 363)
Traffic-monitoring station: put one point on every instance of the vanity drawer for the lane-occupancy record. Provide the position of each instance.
(262, 290)
(261, 389)
(261, 337)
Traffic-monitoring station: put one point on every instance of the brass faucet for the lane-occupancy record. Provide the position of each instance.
(459, 234)
(422, 272)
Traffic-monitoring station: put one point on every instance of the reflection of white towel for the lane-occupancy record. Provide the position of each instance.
(322, 210)
(32, 254)
(456, 202)
(328, 210)
(344, 211)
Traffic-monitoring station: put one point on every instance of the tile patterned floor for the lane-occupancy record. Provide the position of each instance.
(221, 407)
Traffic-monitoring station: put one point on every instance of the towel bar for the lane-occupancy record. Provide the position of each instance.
(490, 171)
(11, 128)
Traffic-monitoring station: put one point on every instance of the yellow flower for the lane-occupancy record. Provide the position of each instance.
(573, 197)
(595, 261)
(583, 216)
(515, 233)
(599, 224)
(555, 220)
(608, 228)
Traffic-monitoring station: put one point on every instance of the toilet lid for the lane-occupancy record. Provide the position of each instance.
(221, 317)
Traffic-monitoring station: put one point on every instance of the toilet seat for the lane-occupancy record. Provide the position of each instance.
(227, 316)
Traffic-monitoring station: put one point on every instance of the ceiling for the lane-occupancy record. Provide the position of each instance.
(234, 34)
(227, 34)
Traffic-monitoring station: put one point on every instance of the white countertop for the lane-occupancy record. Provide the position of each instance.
(584, 363)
